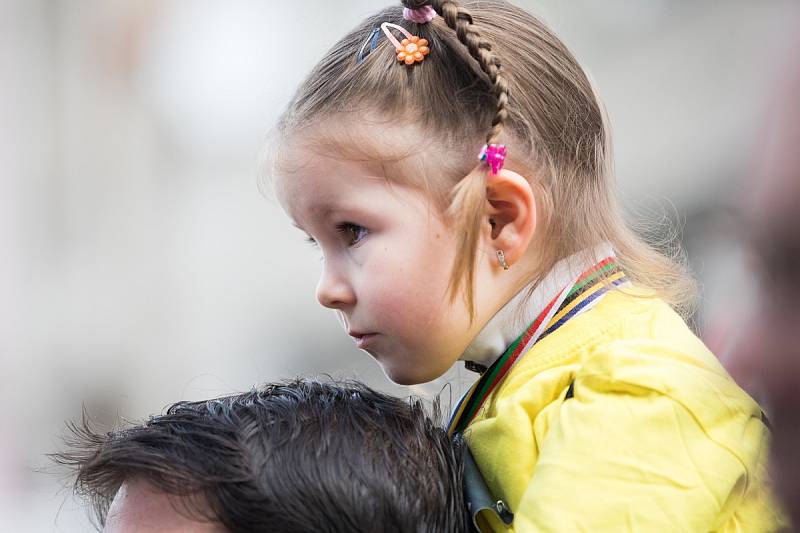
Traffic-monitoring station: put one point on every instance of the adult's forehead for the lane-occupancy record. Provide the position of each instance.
(138, 507)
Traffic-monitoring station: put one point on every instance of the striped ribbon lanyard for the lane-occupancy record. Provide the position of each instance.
(584, 290)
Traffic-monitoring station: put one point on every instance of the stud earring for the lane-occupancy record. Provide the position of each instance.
(501, 257)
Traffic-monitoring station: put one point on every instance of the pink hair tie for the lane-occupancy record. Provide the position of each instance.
(421, 15)
(494, 155)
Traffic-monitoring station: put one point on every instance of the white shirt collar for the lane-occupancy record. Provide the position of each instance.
(512, 319)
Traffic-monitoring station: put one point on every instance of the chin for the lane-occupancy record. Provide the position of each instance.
(398, 376)
(404, 376)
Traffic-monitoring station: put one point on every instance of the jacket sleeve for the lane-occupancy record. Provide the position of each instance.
(625, 456)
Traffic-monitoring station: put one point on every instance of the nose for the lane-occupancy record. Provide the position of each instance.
(333, 290)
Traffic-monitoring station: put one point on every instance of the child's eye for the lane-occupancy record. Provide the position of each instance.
(312, 241)
(353, 232)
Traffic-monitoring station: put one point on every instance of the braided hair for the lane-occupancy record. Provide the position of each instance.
(468, 195)
(461, 21)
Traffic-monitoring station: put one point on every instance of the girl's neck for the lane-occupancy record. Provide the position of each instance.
(512, 319)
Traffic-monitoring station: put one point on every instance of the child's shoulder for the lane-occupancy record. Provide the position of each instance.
(628, 330)
(635, 345)
(646, 348)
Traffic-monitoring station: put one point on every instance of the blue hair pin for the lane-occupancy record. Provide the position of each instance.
(372, 41)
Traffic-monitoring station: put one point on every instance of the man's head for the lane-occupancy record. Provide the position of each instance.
(292, 457)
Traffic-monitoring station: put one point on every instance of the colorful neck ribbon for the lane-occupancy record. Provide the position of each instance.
(569, 302)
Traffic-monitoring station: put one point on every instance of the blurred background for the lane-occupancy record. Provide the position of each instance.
(140, 265)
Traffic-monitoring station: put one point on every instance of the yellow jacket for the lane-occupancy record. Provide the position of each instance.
(657, 436)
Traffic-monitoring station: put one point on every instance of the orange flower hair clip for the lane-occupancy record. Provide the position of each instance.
(410, 50)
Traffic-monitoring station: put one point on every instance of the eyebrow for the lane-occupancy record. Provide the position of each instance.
(322, 209)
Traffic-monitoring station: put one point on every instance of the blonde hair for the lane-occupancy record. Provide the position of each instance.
(495, 74)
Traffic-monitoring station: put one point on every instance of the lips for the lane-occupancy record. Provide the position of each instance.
(362, 339)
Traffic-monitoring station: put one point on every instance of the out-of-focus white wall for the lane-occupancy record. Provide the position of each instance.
(141, 266)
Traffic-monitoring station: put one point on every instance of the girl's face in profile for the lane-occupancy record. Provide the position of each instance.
(387, 257)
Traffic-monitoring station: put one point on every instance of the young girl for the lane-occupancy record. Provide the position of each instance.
(597, 409)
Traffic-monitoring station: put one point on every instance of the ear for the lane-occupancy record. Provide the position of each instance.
(510, 214)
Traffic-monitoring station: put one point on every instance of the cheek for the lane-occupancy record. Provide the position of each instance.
(409, 298)
(408, 281)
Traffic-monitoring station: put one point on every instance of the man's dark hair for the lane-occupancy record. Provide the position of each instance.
(296, 456)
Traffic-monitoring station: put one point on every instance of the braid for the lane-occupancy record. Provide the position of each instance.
(469, 194)
(460, 20)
